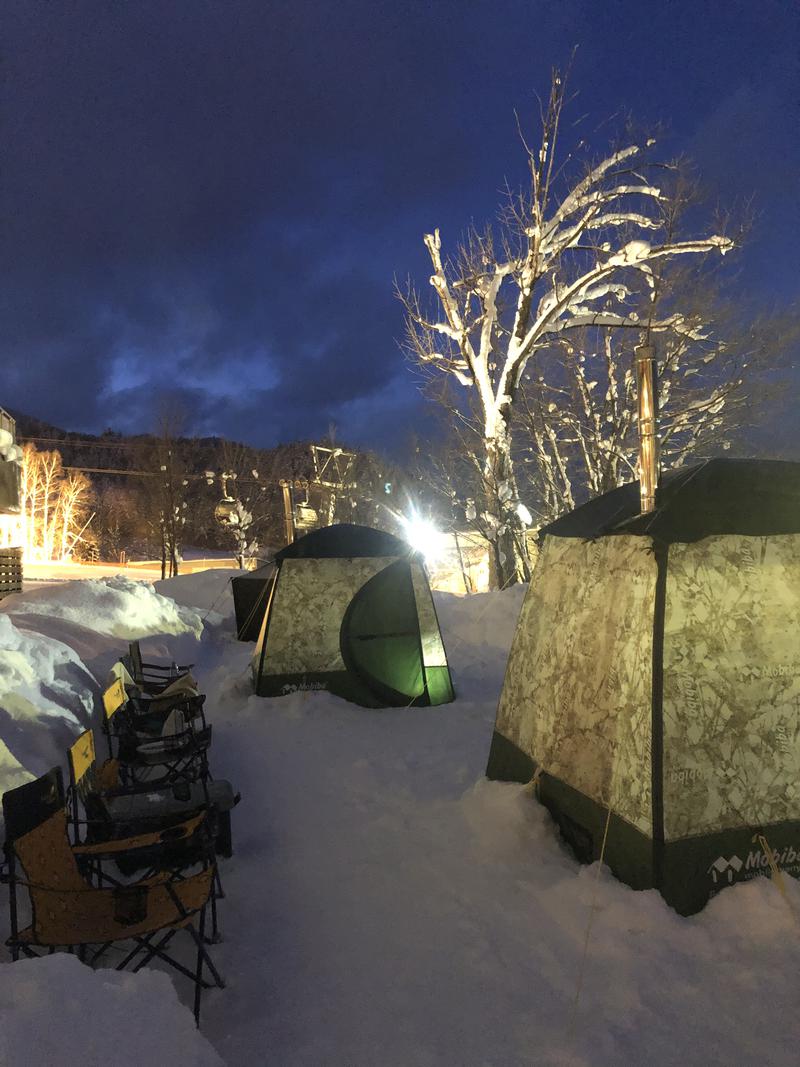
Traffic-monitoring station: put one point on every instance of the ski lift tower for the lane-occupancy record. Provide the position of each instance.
(333, 470)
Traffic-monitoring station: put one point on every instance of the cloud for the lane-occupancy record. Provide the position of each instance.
(215, 198)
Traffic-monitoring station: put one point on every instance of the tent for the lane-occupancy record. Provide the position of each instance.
(250, 598)
(350, 610)
(654, 674)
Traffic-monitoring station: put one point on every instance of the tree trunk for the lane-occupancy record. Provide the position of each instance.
(508, 559)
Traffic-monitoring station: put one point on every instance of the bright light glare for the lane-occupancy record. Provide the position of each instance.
(423, 537)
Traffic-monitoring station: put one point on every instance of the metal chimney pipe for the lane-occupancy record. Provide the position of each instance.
(288, 510)
(647, 389)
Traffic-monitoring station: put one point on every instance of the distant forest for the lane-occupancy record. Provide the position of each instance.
(175, 484)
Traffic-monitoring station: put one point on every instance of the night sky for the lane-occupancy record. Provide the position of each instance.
(213, 198)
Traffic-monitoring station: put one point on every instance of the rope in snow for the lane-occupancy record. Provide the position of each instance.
(593, 906)
(219, 597)
(243, 628)
(592, 910)
(777, 876)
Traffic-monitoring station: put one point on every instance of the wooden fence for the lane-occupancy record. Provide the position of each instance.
(10, 571)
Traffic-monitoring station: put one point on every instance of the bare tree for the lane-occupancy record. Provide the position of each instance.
(53, 505)
(165, 495)
(560, 263)
(72, 516)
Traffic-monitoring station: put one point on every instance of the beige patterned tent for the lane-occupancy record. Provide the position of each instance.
(350, 610)
(655, 675)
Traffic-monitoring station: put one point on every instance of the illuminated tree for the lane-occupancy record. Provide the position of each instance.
(54, 506)
(567, 255)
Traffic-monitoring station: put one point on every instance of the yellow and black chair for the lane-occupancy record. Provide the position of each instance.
(151, 710)
(66, 911)
(166, 751)
(102, 809)
(154, 678)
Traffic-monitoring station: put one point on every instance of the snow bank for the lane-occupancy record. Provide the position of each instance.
(57, 643)
(477, 632)
(46, 698)
(119, 606)
(57, 1010)
(206, 591)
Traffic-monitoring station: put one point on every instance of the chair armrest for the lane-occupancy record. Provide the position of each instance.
(141, 788)
(169, 835)
(174, 668)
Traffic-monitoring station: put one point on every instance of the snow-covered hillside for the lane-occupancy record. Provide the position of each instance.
(386, 905)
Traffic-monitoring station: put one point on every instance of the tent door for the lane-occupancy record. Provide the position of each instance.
(380, 639)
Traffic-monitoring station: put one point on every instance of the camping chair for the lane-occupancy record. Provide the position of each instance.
(68, 912)
(141, 828)
(112, 810)
(171, 746)
(152, 677)
(152, 709)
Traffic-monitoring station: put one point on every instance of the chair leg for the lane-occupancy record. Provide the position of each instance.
(215, 937)
(140, 943)
(198, 980)
(220, 892)
(198, 940)
(96, 955)
(151, 951)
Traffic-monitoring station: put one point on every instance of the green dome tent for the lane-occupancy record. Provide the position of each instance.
(654, 674)
(350, 610)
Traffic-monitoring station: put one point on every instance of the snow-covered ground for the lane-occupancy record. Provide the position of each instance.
(386, 905)
(35, 573)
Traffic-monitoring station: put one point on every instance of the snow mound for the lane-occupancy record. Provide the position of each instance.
(46, 698)
(205, 591)
(482, 620)
(57, 1010)
(118, 606)
(477, 632)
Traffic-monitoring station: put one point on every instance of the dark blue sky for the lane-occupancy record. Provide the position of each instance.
(216, 196)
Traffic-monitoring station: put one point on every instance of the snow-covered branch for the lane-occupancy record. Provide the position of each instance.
(502, 301)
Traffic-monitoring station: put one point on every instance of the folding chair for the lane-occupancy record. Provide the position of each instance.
(171, 747)
(111, 810)
(152, 677)
(150, 709)
(150, 834)
(68, 912)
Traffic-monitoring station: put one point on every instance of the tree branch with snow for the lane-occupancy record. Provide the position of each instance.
(492, 314)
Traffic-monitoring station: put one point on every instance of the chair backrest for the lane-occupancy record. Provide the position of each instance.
(29, 805)
(135, 657)
(59, 895)
(114, 698)
(174, 724)
(82, 758)
(120, 673)
(82, 774)
(86, 780)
